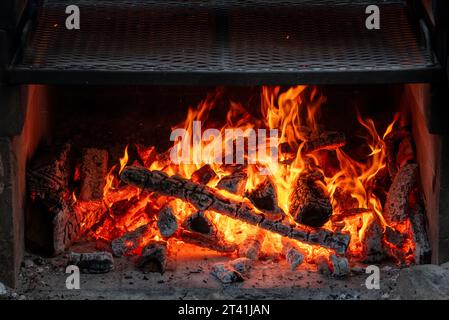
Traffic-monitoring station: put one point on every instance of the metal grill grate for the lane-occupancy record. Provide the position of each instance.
(223, 42)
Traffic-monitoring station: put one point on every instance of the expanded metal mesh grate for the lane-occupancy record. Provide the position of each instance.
(215, 41)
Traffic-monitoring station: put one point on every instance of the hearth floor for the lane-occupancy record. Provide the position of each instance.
(188, 277)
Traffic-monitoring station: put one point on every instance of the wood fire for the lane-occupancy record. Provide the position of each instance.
(316, 205)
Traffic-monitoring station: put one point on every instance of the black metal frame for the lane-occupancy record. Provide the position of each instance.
(20, 73)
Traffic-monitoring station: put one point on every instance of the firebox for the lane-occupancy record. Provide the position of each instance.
(235, 139)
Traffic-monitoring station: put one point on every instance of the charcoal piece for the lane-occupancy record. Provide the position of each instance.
(234, 183)
(339, 266)
(372, 245)
(423, 251)
(293, 255)
(328, 140)
(323, 264)
(242, 265)
(251, 246)
(338, 241)
(94, 168)
(309, 203)
(206, 241)
(394, 237)
(92, 262)
(204, 175)
(198, 222)
(125, 244)
(225, 273)
(349, 213)
(264, 197)
(52, 224)
(396, 205)
(167, 222)
(153, 257)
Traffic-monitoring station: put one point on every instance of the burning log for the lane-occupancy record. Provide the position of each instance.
(394, 237)
(343, 214)
(199, 223)
(94, 168)
(396, 205)
(94, 262)
(122, 207)
(129, 241)
(372, 248)
(250, 248)
(423, 252)
(205, 198)
(167, 222)
(154, 257)
(264, 197)
(309, 203)
(203, 175)
(327, 140)
(293, 255)
(234, 183)
(52, 223)
(121, 194)
(206, 241)
(199, 230)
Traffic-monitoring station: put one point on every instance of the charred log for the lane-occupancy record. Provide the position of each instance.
(349, 213)
(327, 140)
(339, 266)
(394, 237)
(293, 255)
(94, 262)
(225, 273)
(396, 205)
(234, 183)
(309, 203)
(203, 175)
(199, 223)
(372, 249)
(167, 222)
(205, 198)
(264, 197)
(52, 223)
(128, 242)
(154, 257)
(94, 168)
(206, 241)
